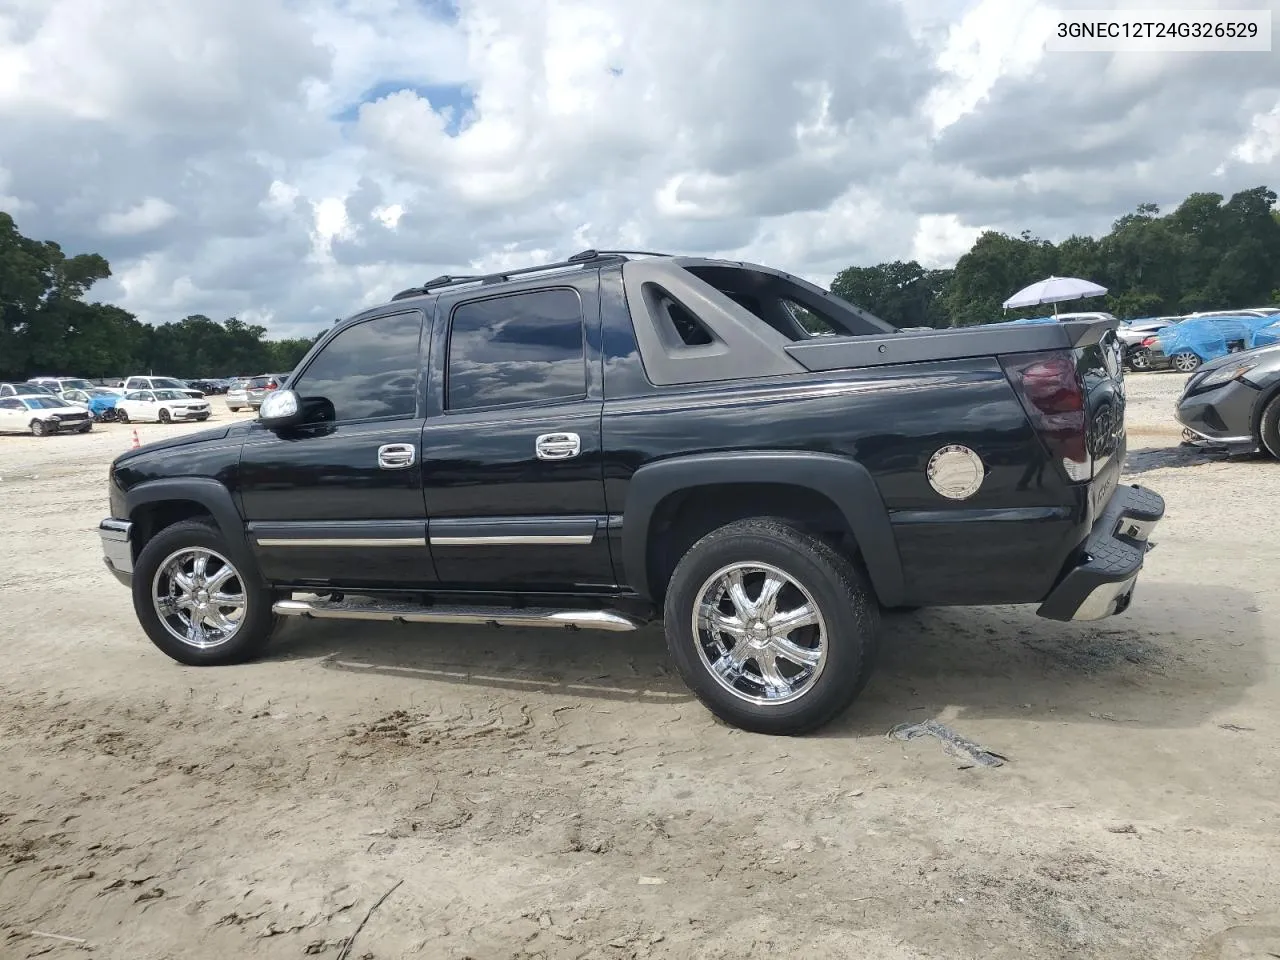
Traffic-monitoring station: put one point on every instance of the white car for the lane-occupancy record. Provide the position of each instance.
(237, 395)
(163, 406)
(61, 385)
(42, 414)
(160, 383)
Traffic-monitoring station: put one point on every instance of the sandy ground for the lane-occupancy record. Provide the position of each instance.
(536, 794)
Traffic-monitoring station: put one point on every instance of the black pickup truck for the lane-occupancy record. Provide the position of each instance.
(623, 437)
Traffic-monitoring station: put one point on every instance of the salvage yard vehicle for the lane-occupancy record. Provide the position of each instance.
(1234, 401)
(237, 395)
(622, 438)
(99, 401)
(163, 406)
(42, 414)
(161, 383)
(257, 389)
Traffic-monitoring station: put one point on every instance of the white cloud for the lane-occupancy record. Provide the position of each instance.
(146, 215)
(941, 239)
(221, 158)
(1262, 145)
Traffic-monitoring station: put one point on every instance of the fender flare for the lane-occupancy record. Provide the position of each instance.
(208, 493)
(846, 483)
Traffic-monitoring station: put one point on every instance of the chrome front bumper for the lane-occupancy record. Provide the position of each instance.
(117, 550)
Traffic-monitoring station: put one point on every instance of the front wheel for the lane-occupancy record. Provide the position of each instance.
(87, 427)
(1185, 361)
(122, 416)
(164, 416)
(195, 602)
(1269, 427)
(39, 428)
(771, 628)
(1140, 359)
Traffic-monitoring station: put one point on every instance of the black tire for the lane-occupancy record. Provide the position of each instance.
(87, 427)
(1139, 359)
(835, 585)
(164, 416)
(202, 418)
(122, 416)
(39, 429)
(256, 624)
(1269, 427)
(234, 409)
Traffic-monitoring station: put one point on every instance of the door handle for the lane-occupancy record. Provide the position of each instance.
(396, 456)
(558, 446)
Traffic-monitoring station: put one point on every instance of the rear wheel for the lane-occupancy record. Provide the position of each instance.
(1184, 361)
(1140, 359)
(1269, 427)
(771, 628)
(122, 416)
(197, 604)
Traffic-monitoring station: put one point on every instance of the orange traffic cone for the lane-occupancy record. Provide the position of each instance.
(136, 444)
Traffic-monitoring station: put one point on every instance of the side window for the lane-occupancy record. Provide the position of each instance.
(10, 405)
(368, 371)
(524, 348)
(813, 324)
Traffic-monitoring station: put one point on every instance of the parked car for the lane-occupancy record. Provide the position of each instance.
(161, 383)
(61, 384)
(42, 414)
(100, 401)
(237, 395)
(25, 390)
(209, 386)
(257, 388)
(1133, 337)
(765, 497)
(1234, 401)
(162, 406)
(1197, 340)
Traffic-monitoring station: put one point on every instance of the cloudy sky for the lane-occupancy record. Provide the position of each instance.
(290, 161)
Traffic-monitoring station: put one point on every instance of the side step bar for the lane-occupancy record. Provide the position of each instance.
(367, 608)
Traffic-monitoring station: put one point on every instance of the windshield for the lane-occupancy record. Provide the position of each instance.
(34, 388)
(167, 383)
(74, 384)
(44, 403)
(171, 395)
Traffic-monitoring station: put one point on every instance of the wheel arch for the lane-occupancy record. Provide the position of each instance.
(157, 504)
(1260, 407)
(732, 485)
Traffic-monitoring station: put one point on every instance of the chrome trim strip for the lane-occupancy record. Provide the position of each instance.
(341, 541)
(353, 608)
(503, 540)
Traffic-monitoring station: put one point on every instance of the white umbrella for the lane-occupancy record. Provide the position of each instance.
(1054, 290)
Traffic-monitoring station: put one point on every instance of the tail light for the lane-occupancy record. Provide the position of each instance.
(1053, 397)
(1150, 341)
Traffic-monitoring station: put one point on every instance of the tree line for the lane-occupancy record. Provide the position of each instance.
(1208, 254)
(47, 327)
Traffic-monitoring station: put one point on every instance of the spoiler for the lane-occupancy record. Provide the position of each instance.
(961, 343)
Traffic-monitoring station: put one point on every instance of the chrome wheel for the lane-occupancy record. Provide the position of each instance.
(1185, 362)
(199, 597)
(759, 633)
(1140, 359)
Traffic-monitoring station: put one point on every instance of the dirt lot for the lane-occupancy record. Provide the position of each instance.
(543, 795)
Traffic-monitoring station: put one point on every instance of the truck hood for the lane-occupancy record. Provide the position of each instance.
(186, 440)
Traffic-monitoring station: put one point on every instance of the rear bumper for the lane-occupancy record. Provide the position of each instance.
(1100, 581)
(117, 549)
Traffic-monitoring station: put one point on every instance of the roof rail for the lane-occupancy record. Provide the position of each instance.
(584, 258)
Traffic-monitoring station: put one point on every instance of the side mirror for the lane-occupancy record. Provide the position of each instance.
(280, 408)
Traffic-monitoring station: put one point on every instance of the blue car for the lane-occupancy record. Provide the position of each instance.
(100, 401)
